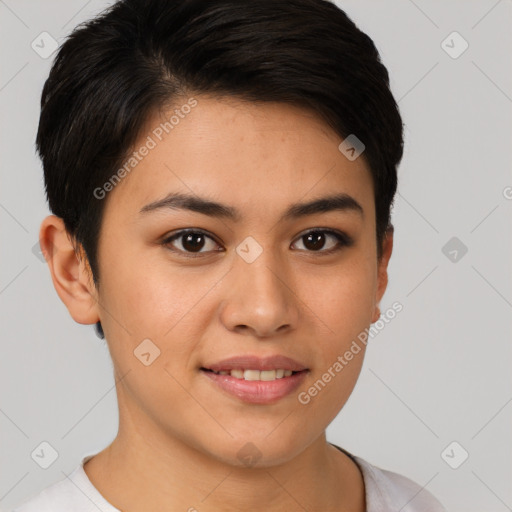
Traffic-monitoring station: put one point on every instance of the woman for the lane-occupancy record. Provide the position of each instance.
(221, 176)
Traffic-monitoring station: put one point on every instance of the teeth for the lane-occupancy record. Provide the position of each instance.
(264, 375)
(252, 375)
(239, 374)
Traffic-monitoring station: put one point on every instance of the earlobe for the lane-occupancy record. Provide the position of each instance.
(70, 276)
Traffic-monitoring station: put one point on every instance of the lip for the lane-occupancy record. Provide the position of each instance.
(256, 391)
(250, 362)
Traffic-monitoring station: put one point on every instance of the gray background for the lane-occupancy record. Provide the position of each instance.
(438, 373)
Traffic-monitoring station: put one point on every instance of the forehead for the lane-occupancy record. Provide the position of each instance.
(254, 156)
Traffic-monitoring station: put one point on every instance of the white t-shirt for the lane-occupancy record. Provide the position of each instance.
(385, 491)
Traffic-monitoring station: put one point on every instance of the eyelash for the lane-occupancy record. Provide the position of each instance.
(343, 241)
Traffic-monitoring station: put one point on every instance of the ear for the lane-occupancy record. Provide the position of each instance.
(382, 275)
(71, 277)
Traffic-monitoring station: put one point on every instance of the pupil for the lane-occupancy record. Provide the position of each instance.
(189, 241)
(317, 238)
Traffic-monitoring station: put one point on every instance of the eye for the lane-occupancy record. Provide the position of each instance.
(191, 241)
(316, 240)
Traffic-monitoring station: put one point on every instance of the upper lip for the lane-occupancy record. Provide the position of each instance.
(246, 362)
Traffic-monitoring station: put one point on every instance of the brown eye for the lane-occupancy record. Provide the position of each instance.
(316, 240)
(194, 243)
(191, 242)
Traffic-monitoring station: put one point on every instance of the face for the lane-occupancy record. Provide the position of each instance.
(257, 283)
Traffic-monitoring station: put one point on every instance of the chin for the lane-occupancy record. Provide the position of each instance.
(256, 451)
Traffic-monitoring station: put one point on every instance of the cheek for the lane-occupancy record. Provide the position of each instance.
(343, 302)
(342, 297)
(326, 393)
(347, 307)
(150, 294)
(343, 309)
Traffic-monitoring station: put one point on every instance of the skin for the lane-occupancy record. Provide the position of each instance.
(179, 434)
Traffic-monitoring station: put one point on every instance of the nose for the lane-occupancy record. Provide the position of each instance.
(261, 300)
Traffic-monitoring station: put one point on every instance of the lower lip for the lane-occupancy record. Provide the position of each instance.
(258, 391)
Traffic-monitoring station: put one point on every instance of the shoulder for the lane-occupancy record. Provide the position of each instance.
(390, 491)
(57, 497)
(74, 492)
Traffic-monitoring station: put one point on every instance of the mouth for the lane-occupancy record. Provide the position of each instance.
(256, 387)
(256, 379)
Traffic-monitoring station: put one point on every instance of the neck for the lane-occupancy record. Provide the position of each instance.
(145, 469)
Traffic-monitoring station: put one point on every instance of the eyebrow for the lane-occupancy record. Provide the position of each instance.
(179, 201)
